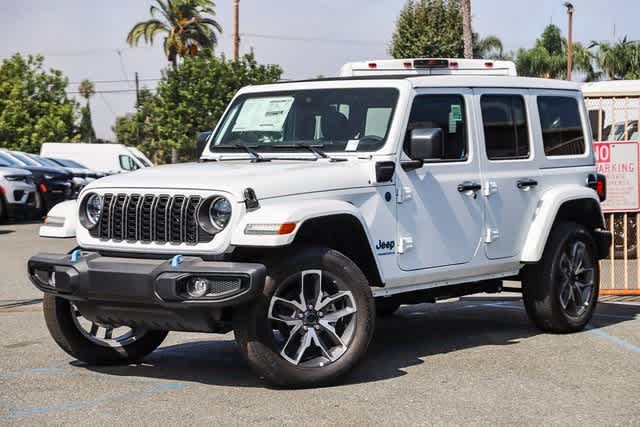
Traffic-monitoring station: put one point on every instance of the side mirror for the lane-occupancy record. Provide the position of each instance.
(202, 138)
(426, 144)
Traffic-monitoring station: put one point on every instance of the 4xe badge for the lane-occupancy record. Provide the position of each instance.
(385, 247)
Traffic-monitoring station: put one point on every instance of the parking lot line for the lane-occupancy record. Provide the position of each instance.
(614, 339)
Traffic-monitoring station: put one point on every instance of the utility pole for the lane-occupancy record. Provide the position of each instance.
(569, 7)
(236, 30)
(467, 36)
(137, 108)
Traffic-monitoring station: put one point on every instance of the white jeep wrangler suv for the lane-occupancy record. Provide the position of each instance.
(316, 203)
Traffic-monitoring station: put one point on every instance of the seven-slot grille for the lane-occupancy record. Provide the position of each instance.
(150, 218)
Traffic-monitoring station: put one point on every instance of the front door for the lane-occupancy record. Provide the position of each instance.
(440, 207)
(510, 173)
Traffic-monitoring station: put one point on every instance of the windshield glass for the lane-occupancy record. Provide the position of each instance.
(6, 160)
(69, 163)
(334, 119)
(25, 159)
(45, 162)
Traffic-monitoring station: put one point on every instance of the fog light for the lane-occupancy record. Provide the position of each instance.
(197, 287)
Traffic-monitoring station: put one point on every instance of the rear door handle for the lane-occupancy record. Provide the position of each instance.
(526, 183)
(469, 186)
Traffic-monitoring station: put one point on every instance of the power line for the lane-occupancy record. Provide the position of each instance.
(107, 91)
(119, 81)
(107, 103)
(313, 39)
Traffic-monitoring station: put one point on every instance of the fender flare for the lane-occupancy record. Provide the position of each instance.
(283, 213)
(545, 215)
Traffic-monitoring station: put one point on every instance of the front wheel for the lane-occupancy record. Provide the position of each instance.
(560, 292)
(312, 323)
(95, 343)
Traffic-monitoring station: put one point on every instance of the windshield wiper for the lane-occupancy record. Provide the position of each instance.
(257, 158)
(315, 149)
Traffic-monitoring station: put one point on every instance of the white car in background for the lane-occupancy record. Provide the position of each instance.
(106, 158)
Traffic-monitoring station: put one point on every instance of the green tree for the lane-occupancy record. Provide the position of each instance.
(190, 99)
(187, 26)
(548, 57)
(86, 131)
(619, 60)
(34, 106)
(428, 28)
(134, 128)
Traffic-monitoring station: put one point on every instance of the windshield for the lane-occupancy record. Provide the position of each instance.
(69, 163)
(6, 160)
(45, 162)
(334, 119)
(25, 159)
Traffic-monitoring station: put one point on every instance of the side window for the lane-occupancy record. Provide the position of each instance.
(561, 126)
(505, 127)
(446, 112)
(127, 163)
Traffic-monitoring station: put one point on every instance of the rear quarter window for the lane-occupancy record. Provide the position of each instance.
(562, 132)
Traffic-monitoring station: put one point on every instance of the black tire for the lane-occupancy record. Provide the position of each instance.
(58, 317)
(386, 307)
(255, 333)
(544, 284)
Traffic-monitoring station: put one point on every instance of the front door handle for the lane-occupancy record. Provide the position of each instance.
(526, 183)
(469, 186)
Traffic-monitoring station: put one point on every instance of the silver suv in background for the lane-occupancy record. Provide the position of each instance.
(17, 193)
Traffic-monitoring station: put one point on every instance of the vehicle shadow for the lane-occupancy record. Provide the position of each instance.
(400, 342)
(7, 231)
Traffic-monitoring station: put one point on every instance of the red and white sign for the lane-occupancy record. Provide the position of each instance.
(618, 160)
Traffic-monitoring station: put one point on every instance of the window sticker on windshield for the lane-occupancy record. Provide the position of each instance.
(263, 114)
(352, 145)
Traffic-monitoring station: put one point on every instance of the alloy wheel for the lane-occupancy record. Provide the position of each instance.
(313, 319)
(577, 278)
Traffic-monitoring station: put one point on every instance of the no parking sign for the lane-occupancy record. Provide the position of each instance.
(618, 160)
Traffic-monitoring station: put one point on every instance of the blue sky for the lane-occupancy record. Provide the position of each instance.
(86, 38)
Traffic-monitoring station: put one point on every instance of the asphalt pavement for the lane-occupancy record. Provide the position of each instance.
(474, 361)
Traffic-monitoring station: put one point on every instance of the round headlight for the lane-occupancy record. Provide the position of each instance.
(220, 212)
(93, 209)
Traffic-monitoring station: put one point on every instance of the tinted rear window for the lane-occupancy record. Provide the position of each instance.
(505, 127)
(561, 126)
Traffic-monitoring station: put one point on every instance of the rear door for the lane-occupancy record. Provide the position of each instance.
(510, 171)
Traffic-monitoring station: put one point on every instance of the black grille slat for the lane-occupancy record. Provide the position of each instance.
(105, 219)
(160, 219)
(191, 220)
(131, 217)
(175, 219)
(149, 218)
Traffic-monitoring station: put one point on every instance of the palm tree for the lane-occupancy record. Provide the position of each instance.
(187, 25)
(619, 60)
(467, 35)
(489, 47)
(87, 133)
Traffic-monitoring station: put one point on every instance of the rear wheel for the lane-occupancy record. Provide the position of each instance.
(313, 321)
(560, 292)
(3, 209)
(95, 343)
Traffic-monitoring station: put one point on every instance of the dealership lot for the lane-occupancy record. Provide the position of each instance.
(475, 361)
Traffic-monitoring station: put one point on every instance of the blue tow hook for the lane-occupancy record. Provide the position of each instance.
(75, 255)
(176, 260)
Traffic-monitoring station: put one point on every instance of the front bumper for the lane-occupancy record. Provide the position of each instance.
(146, 292)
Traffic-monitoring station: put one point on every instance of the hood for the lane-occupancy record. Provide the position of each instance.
(268, 179)
(4, 171)
(41, 170)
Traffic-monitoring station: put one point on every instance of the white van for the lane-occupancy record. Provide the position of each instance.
(108, 158)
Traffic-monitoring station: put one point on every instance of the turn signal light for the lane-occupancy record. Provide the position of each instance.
(270, 229)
